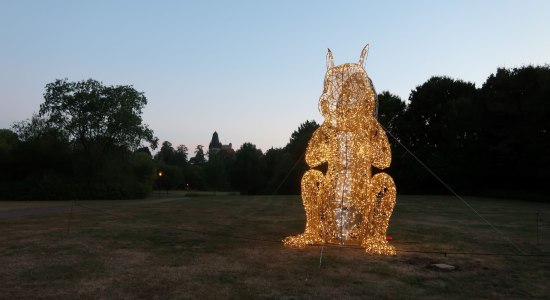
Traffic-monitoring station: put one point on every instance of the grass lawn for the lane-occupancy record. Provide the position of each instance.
(158, 249)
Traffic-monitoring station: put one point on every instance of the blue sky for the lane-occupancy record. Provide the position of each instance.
(253, 70)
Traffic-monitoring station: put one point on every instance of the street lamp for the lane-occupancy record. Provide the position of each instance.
(160, 180)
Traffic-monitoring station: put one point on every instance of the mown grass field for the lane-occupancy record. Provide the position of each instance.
(227, 246)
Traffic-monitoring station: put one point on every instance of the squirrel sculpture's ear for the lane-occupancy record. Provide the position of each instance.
(363, 56)
(330, 60)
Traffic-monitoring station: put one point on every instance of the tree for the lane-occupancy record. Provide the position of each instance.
(180, 156)
(8, 141)
(31, 128)
(247, 172)
(37, 166)
(516, 128)
(439, 112)
(172, 176)
(195, 171)
(275, 169)
(195, 177)
(173, 163)
(216, 170)
(390, 110)
(199, 158)
(293, 164)
(299, 138)
(144, 150)
(83, 144)
(441, 127)
(166, 153)
(91, 114)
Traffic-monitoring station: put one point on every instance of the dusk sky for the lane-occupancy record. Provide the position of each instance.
(253, 70)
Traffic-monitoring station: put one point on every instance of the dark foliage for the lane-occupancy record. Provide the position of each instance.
(487, 141)
(80, 146)
(86, 143)
(291, 164)
(247, 175)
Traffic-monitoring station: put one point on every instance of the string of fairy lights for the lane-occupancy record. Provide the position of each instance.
(348, 205)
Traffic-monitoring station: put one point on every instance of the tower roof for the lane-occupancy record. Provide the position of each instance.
(215, 142)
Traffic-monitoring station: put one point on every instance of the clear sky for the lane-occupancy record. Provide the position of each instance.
(253, 70)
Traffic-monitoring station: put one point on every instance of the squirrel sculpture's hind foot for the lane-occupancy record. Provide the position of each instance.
(376, 247)
(301, 240)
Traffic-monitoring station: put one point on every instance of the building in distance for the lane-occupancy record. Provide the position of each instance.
(216, 146)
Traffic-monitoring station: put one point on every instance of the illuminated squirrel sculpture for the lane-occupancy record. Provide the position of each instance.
(348, 204)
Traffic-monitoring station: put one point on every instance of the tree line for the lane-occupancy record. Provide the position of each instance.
(492, 140)
(248, 170)
(489, 141)
(88, 141)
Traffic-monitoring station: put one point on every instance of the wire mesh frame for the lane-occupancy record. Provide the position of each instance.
(347, 204)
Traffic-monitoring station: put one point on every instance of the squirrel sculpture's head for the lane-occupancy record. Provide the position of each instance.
(348, 94)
